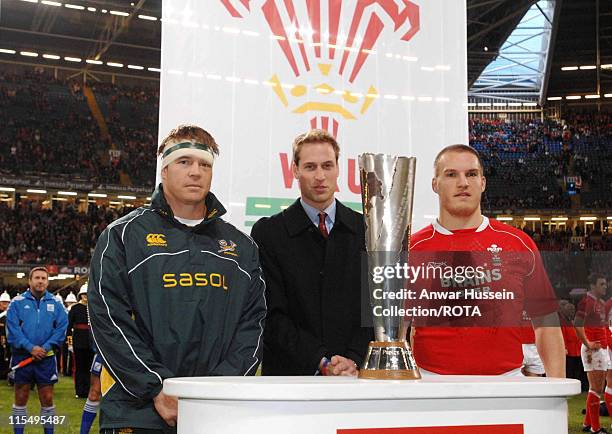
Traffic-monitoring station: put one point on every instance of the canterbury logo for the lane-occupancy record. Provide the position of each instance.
(156, 240)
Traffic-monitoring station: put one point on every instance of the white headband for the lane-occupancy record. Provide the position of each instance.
(183, 149)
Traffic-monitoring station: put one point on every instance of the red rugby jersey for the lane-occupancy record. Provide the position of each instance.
(592, 310)
(609, 324)
(570, 339)
(485, 350)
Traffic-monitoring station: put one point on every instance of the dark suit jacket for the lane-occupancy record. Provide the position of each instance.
(313, 290)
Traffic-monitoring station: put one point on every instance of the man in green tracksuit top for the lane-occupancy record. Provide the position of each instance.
(174, 291)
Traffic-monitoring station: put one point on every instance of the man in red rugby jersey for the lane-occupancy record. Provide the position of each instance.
(459, 182)
(608, 390)
(591, 324)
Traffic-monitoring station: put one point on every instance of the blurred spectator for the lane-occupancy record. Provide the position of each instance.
(48, 129)
(30, 235)
(526, 161)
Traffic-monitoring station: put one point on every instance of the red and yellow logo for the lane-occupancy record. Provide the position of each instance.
(312, 43)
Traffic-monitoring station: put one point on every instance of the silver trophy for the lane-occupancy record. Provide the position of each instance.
(387, 189)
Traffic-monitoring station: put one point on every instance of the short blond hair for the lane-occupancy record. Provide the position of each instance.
(313, 136)
(189, 132)
(458, 148)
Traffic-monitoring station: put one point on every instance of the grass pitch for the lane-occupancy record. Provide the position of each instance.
(65, 405)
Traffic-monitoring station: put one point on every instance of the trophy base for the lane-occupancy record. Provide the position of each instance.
(389, 361)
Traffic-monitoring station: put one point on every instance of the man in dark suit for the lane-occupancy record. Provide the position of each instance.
(310, 254)
(78, 330)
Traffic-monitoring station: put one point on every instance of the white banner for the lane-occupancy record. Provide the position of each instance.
(384, 76)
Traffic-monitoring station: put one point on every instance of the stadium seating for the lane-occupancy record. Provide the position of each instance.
(50, 131)
(526, 161)
(61, 235)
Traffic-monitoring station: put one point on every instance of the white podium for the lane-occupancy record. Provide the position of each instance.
(343, 405)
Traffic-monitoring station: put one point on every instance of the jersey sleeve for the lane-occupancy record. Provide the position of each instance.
(582, 308)
(14, 333)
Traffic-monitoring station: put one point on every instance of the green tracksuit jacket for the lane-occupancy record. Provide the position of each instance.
(168, 300)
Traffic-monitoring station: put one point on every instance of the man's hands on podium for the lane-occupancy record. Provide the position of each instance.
(167, 407)
(338, 365)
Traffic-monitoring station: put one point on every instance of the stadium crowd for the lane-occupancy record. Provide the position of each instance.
(47, 119)
(132, 117)
(526, 161)
(49, 130)
(32, 234)
(62, 235)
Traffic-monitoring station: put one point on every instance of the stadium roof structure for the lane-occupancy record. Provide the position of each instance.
(90, 35)
(516, 48)
(530, 50)
(584, 39)
(519, 70)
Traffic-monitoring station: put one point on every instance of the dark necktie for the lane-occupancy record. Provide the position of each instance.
(322, 227)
